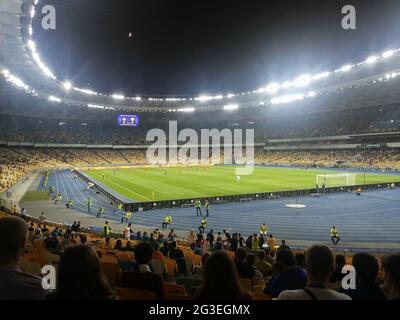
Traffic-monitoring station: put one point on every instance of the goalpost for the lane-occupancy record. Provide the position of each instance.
(336, 180)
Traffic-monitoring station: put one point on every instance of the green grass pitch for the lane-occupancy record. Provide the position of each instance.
(139, 183)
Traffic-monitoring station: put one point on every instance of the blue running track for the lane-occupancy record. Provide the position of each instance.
(372, 217)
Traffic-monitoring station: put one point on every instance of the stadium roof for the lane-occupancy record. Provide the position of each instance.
(21, 66)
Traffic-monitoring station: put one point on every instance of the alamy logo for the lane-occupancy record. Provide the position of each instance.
(349, 280)
(49, 277)
(49, 20)
(349, 20)
(191, 152)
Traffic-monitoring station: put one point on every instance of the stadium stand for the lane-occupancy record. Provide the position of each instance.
(113, 280)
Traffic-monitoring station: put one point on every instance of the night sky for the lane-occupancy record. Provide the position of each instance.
(190, 47)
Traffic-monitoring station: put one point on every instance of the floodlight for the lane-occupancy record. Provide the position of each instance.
(67, 85)
(302, 81)
(388, 54)
(118, 97)
(231, 107)
(272, 88)
(287, 98)
(371, 59)
(346, 68)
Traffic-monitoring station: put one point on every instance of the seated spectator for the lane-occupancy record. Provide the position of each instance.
(145, 236)
(210, 237)
(191, 237)
(218, 245)
(31, 228)
(45, 230)
(286, 275)
(251, 261)
(80, 276)
(165, 249)
(300, 260)
(283, 246)
(337, 275)
(262, 265)
(52, 244)
(118, 245)
(15, 284)
(234, 243)
(199, 271)
(129, 247)
(391, 266)
(367, 268)
(244, 270)
(172, 235)
(160, 238)
(142, 278)
(221, 280)
(157, 255)
(139, 236)
(319, 262)
(198, 248)
(175, 252)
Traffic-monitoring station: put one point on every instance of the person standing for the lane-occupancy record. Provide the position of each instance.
(203, 225)
(167, 221)
(127, 232)
(264, 230)
(128, 216)
(106, 229)
(100, 212)
(197, 204)
(89, 204)
(207, 206)
(335, 236)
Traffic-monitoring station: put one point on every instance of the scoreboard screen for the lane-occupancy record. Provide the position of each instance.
(128, 120)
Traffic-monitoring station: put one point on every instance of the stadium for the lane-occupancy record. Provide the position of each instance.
(274, 177)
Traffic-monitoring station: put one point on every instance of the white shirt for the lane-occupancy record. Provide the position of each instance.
(127, 233)
(144, 268)
(319, 293)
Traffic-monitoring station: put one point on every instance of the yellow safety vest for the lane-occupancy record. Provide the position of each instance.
(204, 223)
(334, 232)
(168, 219)
(128, 215)
(263, 229)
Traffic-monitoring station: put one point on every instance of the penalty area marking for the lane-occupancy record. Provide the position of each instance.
(295, 205)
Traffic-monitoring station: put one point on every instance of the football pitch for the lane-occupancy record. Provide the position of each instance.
(157, 184)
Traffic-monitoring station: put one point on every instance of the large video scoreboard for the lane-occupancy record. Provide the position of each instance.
(128, 120)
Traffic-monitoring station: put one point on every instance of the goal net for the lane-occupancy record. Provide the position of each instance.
(336, 180)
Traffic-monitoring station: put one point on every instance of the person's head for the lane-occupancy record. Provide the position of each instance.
(340, 261)
(300, 259)
(108, 240)
(261, 255)
(156, 246)
(118, 244)
(283, 242)
(13, 231)
(270, 236)
(241, 254)
(80, 276)
(284, 259)
(391, 266)
(220, 279)
(319, 264)
(143, 253)
(129, 225)
(128, 245)
(173, 245)
(106, 223)
(204, 258)
(251, 259)
(367, 267)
